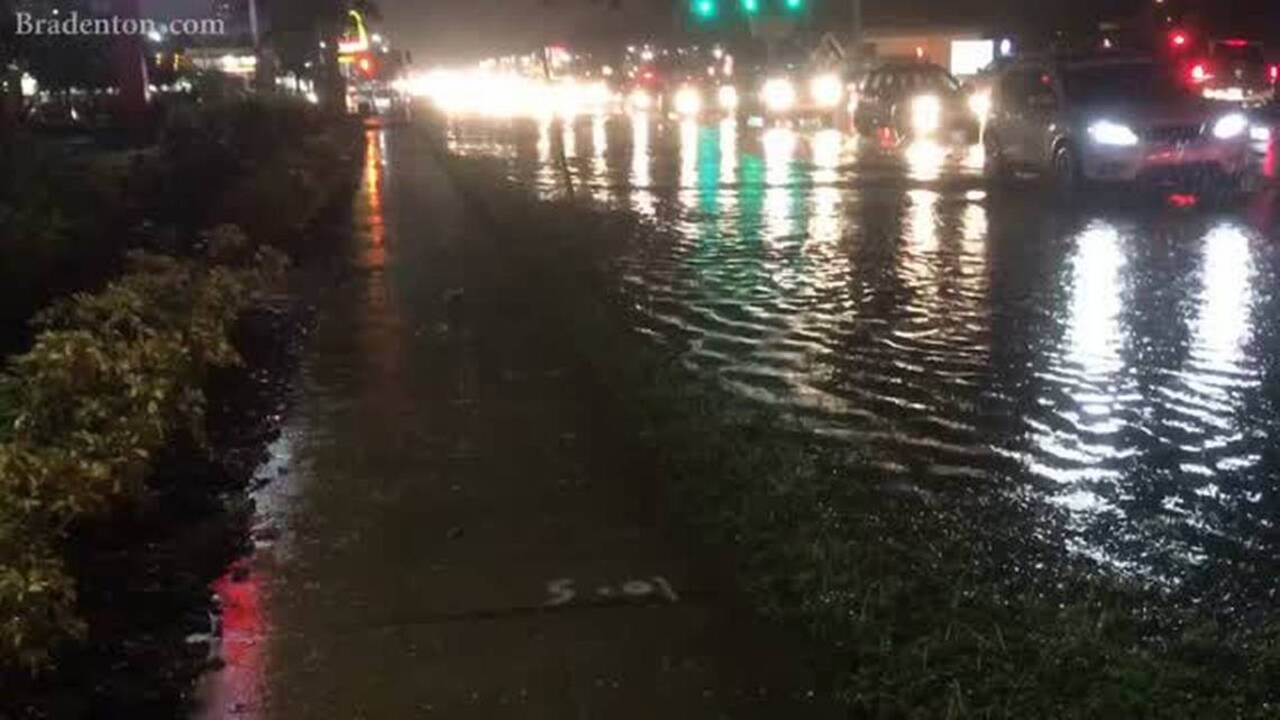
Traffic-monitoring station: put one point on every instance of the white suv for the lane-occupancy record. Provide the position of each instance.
(1111, 119)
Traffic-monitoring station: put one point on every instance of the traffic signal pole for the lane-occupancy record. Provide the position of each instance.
(855, 26)
(130, 70)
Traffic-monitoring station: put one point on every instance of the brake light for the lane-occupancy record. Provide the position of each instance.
(1274, 74)
(1200, 73)
(1178, 39)
(1236, 43)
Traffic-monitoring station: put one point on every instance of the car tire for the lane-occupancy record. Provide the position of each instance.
(1068, 178)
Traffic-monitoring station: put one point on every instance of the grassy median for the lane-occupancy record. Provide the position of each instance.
(944, 602)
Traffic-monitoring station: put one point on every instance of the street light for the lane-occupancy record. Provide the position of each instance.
(750, 7)
(793, 6)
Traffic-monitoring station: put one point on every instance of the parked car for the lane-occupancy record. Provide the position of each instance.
(1108, 118)
(910, 99)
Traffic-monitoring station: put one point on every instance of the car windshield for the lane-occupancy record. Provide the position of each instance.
(926, 79)
(1136, 81)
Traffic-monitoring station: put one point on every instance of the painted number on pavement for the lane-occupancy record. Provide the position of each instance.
(563, 591)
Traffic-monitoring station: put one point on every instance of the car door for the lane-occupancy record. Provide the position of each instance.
(1006, 124)
(864, 117)
(1043, 104)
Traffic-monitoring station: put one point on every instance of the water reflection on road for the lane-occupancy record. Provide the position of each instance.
(1118, 361)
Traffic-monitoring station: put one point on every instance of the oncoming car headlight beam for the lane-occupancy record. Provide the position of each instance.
(779, 95)
(688, 101)
(1106, 132)
(1230, 126)
(826, 90)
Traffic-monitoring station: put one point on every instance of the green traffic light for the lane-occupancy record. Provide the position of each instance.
(794, 5)
(751, 7)
(705, 9)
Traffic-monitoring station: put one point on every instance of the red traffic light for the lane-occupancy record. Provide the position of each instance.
(1179, 39)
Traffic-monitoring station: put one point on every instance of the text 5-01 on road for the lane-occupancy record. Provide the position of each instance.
(1112, 119)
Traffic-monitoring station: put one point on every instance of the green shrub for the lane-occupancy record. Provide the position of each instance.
(111, 377)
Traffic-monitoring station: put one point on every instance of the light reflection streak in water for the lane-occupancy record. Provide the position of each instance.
(728, 152)
(1218, 375)
(374, 252)
(642, 197)
(925, 159)
(599, 179)
(779, 164)
(1223, 323)
(688, 155)
(825, 223)
(1094, 335)
(1076, 446)
(569, 136)
(922, 222)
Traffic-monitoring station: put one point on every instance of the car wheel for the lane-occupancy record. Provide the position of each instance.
(1067, 176)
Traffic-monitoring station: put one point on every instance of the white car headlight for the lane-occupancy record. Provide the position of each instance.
(1106, 132)
(826, 90)
(779, 95)
(926, 114)
(640, 100)
(1260, 133)
(1230, 126)
(688, 101)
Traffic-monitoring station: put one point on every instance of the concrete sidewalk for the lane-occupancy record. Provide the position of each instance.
(459, 529)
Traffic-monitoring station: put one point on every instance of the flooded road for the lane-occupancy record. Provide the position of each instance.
(1117, 360)
(444, 529)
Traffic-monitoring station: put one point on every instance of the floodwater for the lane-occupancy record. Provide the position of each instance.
(1117, 359)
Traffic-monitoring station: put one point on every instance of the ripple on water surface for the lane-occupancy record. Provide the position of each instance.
(891, 299)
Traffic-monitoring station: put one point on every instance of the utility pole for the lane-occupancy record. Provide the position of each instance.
(130, 70)
(855, 28)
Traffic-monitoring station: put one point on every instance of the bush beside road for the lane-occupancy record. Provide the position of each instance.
(109, 402)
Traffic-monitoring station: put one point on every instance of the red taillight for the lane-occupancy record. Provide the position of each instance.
(1274, 74)
(1178, 39)
(1200, 73)
(1236, 43)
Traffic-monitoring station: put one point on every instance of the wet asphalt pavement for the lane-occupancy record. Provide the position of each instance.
(1117, 359)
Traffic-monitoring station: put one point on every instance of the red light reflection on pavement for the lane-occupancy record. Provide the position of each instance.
(237, 689)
